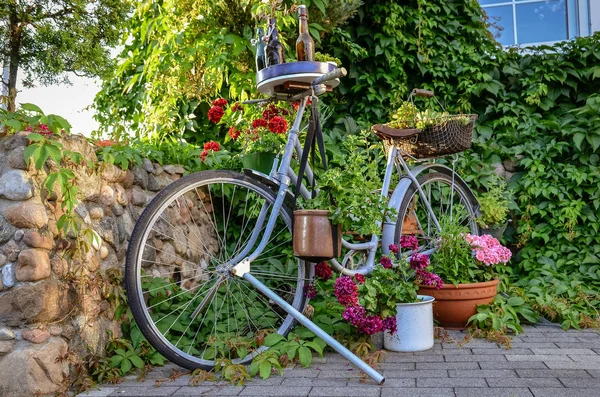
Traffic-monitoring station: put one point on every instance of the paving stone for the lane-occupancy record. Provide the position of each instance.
(400, 382)
(564, 351)
(524, 382)
(482, 373)
(314, 382)
(555, 338)
(422, 373)
(585, 358)
(104, 392)
(401, 366)
(513, 365)
(300, 373)
(144, 391)
(453, 365)
(372, 391)
(537, 357)
(417, 359)
(594, 372)
(581, 382)
(189, 391)
(502, 351)
(578, 345)
(275, 391)
(557, 392)
(538, 345)
(572, 365)
(492, 392)
(340, 374)
(451, 382)
(429, 392)
(552, 373)
(474, 343)
(477, 357)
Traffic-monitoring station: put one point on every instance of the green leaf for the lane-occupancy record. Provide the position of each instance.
(578, 139)
(516, 301)
(273, 339)
(30, 151)
(305, 356)
(125, 366)
(15, 124)
(30, 107)
(34, 136)
(41, 158)
(136, 361)
(265, 369)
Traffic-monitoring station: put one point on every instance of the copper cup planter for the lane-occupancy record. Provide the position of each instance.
(315, 238)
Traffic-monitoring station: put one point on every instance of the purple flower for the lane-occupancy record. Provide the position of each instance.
(371, 325)
(346, 291)
(394, 248)
(419, 261)
(429, 279)
(389, 324)
(310, 291)
(409, 242)
(386, 262)
(354, 315)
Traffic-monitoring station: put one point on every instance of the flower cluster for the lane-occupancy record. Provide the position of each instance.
(323, 271)
(42, 129)
(211, 146)
(488, 250)
(310, 291)
(409, 242)
(105, 143)
(346, 291)
(429, 279)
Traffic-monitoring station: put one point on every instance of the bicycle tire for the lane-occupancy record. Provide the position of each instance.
(151, 225)
(466, 198)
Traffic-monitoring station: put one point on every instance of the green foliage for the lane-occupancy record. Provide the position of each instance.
(47, 38)
(493, 204)
(387, 287)
(31, 117)
(298, 345)
(504, 315)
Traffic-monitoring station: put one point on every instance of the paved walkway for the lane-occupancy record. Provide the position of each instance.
(544, 362)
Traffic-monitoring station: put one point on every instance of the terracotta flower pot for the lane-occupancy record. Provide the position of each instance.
(455, 304)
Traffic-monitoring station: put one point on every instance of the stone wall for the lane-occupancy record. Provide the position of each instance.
(53, 297)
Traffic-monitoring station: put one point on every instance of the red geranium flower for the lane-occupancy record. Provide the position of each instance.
(215, 114)
(105, 143)
(278, 125)
(270, 112)
(259, 123)
(233, 133)
(212, 145)
(219, 102)
(236, 106)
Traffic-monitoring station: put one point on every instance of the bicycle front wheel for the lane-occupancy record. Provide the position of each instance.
(448, 199)
(182, 296)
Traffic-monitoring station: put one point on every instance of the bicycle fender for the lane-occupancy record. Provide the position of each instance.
(270, 182)
(389, 228)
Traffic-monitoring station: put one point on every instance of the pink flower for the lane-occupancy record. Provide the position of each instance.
(389, 324)
(488, 250)
(354, 315)
(371, 325)
(359, 278)
(310, 291)
(394, 248)
(419, 261)
(429, 279)
(409, 242)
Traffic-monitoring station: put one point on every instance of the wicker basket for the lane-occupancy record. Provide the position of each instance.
(449, 134)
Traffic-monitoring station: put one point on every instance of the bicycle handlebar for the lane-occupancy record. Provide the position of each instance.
(334, 74)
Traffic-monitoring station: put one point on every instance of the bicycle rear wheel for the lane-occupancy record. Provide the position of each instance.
(180, 291)
(447, 198)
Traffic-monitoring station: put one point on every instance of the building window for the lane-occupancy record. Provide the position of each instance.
(537, 21)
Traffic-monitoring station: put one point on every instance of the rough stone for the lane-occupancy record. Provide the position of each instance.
(3, 260)
(35, 335)
(6, 334)
(510, 165)
(16, 158)
(117, 210)
(153, 184)
(147, 165)
(82, 211)
(27, 215)
(93, 264)
(112, 174)
(499, 169)
(6, 230)
(15, 185)
(34, 369)
(55, 330)
(11, 250)
(17, 140)
(96, 212)
(138, 196)
(103, 252)
(8, 275)
(140, 177)
(120, 195)
(107, 195)
(18, 235)
(59, 265)
(163, 181)
(128, 181)
(106, 228)
(1, 284)
(6, 346)
(38, 240)
(173, 169)
(158, 169)
(34, 265)
(45, 301)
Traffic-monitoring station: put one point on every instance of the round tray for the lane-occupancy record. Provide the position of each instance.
(291, 78)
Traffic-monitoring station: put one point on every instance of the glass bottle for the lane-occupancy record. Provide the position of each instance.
(305, 45)
(274, 50)
(260, 49)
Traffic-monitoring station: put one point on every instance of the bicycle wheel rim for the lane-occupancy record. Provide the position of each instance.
(246, 296)
(447, 198)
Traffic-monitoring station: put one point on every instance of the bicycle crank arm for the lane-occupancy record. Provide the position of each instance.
(243, 270)
(208, 298)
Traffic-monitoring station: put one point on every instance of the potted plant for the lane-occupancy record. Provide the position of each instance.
(467, 266)
(388, 300)
(259, 131)
(493, 205)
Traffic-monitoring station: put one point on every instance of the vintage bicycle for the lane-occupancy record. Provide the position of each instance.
(210, 270)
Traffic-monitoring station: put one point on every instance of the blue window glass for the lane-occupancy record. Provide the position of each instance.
(501, 19)
(541, 21)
